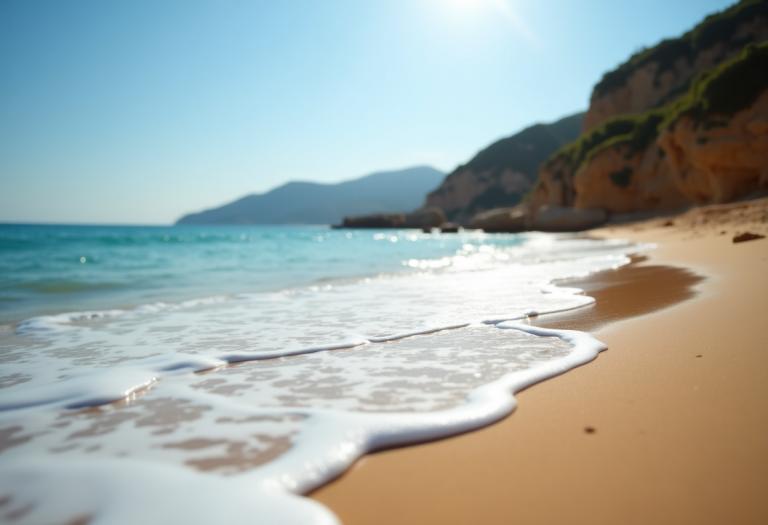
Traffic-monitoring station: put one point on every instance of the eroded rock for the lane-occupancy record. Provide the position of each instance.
(450, 227)
(510, 220)
(431, 217)
(622, 182)
(552, 218)
(426, 219)
(721, 159)
(378, 220)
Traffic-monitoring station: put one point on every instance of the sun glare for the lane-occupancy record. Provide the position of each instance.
(504, 9)
(467, 3)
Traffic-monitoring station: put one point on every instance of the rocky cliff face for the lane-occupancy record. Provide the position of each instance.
(623, 184)
(501, 175)
(658, 76)
(721, 162)
(711, 146)
(468, 192)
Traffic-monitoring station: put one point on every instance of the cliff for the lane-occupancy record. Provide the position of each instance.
(504, 172)
(716, 137)
(709, 146)
(657, 76)
(312, 203)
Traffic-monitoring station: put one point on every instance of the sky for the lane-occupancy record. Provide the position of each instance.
(140, 111)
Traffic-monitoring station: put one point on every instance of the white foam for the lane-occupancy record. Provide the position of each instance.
(116, 492)
(52, 323)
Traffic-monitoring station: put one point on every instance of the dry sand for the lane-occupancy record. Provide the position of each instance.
(669, 426)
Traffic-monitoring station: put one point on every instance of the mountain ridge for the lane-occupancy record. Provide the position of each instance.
(300, 202)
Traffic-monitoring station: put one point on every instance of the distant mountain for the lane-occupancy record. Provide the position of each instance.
(313, 203)
(501, 174)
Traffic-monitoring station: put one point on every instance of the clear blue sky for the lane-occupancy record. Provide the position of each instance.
(138, 111)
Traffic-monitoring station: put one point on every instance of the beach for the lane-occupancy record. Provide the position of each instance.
(384, 263)
(667, 426)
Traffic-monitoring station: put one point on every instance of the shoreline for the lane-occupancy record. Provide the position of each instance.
(648, 433)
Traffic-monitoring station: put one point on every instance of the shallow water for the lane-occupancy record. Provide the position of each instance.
(49, 269)
(277, 382)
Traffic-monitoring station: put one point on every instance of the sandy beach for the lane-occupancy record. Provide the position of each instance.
(669, 426)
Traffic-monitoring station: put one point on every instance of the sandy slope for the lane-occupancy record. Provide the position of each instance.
(669, 426)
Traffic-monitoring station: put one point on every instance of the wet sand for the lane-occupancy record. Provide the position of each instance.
(669, 426)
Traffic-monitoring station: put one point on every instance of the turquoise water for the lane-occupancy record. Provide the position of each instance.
(51, 269)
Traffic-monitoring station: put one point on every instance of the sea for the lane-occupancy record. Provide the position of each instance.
(192, 374)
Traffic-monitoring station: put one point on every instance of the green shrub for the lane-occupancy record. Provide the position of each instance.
(731, 87)
(715, 28)
(724, 91)
(635, 131)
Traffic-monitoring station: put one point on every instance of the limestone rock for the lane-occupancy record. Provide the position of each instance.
(467, 189)
(509, 220)
(424, 219)
(379, 220)
(621, 182)
(562, 219)
(431, 217)
(450, 227)
(711, 146)
(715, 161)
(555, 185)
(722, 159)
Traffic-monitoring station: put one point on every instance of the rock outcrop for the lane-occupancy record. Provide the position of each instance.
(378, 220)
(432, 217)
(617, 166)
(422, 219)
(552, 218)
(710, 146)
(659, 75)
(450, 227)
(507, 220)
(716, 164)
(468, 191)
(622, 181)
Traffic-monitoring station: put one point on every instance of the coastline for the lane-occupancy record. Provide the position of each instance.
(647, 433)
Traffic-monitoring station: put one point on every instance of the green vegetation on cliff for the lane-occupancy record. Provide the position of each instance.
(724, 91)
(716, 94)
(636, 131)
(715, 28)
